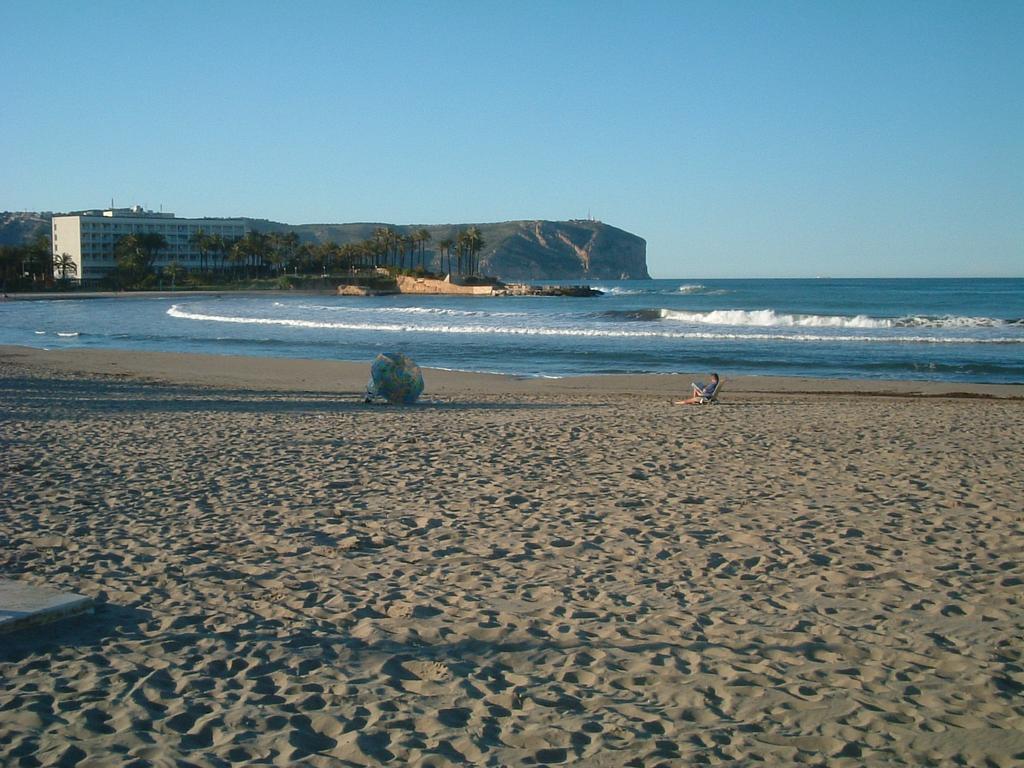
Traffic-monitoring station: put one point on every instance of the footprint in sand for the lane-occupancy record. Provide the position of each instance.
(400, 610)
(429, 671)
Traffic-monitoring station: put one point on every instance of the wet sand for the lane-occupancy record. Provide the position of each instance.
(514, 572)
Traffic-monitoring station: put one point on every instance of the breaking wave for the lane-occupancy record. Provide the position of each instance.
(605, 332)
(765, 318)
(684, 290)
(618, 291)
(440, 311)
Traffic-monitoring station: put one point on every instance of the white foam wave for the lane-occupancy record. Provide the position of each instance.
(765, 318)
(684, 289)
(508, 330)
(40, 333)
(948, 321)
(68, 335)
(407, 311)
(616, 291)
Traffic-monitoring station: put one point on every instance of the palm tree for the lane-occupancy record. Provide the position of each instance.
(174, 270)
(288, 245)
(10, 261)
(236, 254)
(468, 244)
(65, 265)
(354, 254)
(44, 252)
(475, 243)
(37, 259)
(252, 249)
(228, 247)
(217, 246)
(151, 243)
(410, 241)
(377, 252)
(423, 237)
(137, 252)
(444, 247)
(305, 257)
(336, 256)
(201, 242)
(281, 249)
(275, 250)
(385, 237)
(327, 254)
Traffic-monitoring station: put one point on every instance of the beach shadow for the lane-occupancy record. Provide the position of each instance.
(86, 630)
(47, 399)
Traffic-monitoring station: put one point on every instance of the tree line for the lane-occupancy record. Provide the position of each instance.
(31, 265)
(390, 248)
(273, 254)
(255, 255)
(269, 254)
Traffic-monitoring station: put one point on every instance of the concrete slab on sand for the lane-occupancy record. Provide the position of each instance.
(24, 605)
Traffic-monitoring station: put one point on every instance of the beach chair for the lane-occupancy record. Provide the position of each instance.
(712, 399)
(702, 400)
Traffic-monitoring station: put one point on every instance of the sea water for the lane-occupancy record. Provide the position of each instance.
(968, 330)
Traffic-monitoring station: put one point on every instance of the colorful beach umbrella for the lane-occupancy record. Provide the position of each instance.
(396, 378)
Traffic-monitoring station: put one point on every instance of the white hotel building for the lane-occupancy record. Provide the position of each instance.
(89, 237)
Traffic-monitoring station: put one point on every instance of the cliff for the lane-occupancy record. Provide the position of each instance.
(562, 250)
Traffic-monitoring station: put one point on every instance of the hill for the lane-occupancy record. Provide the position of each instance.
(513, 250)
(22, 227)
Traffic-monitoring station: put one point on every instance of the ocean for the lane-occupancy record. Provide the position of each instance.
(969, 330)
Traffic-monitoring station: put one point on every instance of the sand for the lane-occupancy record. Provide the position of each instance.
(512, 573)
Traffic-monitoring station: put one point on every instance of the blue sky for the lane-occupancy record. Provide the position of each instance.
(741, 139)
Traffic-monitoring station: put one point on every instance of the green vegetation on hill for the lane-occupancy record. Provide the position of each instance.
(513, 250)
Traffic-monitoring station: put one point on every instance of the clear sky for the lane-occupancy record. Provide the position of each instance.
(760, 139)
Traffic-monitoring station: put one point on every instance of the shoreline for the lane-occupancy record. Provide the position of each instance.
(303, 374)
(60, 295)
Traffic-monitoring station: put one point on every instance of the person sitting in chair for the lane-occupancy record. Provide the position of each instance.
(701, 392)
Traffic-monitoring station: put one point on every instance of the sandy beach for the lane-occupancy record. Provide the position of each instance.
(513, 572)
